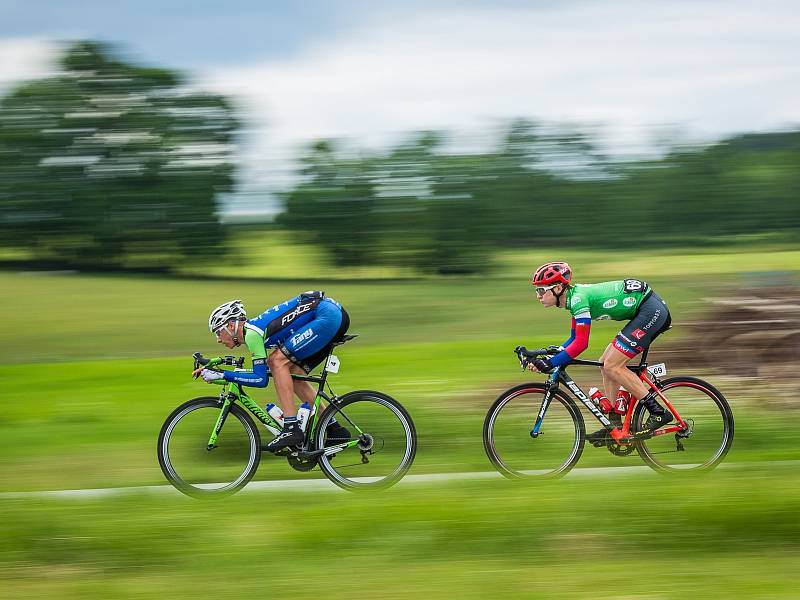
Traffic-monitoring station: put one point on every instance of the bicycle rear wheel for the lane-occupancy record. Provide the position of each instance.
(187, 462)
(387, 441)
(507, 428)
(710, 428)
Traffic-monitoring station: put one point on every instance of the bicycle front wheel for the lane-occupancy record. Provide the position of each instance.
(709, 432)
(387, 441)
(191, 466)
(507, 433)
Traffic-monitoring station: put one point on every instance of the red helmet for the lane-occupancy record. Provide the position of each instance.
(551, 273)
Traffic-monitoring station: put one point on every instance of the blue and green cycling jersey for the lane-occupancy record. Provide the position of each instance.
(275, 326)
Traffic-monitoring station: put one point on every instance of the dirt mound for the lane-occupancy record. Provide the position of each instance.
(755, 333)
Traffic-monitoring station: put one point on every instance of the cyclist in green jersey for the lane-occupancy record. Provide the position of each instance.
(629, 300)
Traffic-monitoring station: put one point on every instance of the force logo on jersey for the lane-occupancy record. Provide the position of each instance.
(299, 310)
(610, 303)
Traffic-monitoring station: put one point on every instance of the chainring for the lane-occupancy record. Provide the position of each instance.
(300, 464)
(620, 449)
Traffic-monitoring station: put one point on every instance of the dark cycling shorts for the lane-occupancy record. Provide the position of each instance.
(651, 320)
(311, 343)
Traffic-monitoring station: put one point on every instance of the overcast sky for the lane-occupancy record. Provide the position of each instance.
(371, 70)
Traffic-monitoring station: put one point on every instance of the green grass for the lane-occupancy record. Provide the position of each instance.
(97, 362)
(78, 317)
(94, 424)
(93, 364)
(728, 535)
(275, 254)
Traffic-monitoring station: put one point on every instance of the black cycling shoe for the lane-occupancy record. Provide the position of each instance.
(291, 436)
(599, 437)
(336, 433)
(656, 421)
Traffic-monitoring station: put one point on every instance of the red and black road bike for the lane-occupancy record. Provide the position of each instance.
(537, 429)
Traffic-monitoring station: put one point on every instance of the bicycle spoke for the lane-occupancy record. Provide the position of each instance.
(707, 439)
(191, 466)
(387, 442)
(511, 448)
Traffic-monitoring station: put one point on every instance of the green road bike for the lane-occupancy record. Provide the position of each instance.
(211, 446)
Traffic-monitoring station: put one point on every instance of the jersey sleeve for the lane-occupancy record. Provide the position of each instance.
(577, 342)
(259, 376)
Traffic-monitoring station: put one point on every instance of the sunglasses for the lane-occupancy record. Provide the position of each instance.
(542, 290)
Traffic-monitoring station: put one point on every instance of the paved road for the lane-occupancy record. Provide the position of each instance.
(324, 484)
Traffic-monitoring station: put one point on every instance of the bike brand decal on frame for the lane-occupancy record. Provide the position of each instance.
(589, 404)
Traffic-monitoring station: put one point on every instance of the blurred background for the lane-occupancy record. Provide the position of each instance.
(417, 161)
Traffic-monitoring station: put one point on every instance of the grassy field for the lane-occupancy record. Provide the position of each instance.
(732, 534)
(93, 364)
(108, 357)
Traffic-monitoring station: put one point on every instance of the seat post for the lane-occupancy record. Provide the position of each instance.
(643, 360)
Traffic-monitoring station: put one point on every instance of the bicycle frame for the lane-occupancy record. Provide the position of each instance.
(622, 435)
(232, 392)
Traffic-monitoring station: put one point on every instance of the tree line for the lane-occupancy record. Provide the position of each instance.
(113, 165)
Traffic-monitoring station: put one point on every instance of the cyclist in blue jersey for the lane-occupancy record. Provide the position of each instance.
(302, 330)
(629, 300)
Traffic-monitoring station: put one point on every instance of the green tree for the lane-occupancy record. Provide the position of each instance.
(112, 165)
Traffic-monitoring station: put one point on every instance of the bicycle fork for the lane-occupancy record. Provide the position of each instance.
(223, 414)
(551, 385)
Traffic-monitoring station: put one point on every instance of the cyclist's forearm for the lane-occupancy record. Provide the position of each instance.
(578, 343)
(258, 377)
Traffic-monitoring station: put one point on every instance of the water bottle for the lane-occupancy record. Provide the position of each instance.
(623, 398)
(599, 399)
(276, 413)
(302, 415)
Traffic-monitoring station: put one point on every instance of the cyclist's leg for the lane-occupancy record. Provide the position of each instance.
(279, 368)
(616, 373)
(303, 389)
(312, 343)
(652, 319)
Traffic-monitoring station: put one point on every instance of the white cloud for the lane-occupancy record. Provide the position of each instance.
(25, 58)
(711, 67)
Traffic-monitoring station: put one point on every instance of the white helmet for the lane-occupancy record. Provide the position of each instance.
(224, 313)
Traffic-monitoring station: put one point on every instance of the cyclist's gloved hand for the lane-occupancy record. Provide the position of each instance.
(209, 375)
(540, 364)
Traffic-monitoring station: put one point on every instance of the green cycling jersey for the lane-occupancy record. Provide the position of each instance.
(615, 300)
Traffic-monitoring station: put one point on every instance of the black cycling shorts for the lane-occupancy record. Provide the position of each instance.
(651, 320)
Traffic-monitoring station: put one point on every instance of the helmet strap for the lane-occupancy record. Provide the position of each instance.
(236, 332)
(558, 296)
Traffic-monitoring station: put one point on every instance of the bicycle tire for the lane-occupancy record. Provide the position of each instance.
(178, 475)
(712, 428)
(358, 408)
(564, 416)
